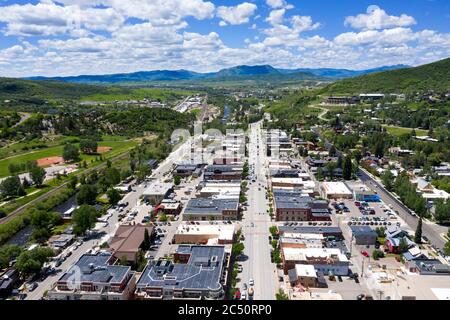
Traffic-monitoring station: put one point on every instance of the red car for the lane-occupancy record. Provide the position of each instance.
(358, 204)
(365, 254)
(237, 295)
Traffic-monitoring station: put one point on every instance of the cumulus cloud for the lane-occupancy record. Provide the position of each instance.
(239, 14)
(275, 4)
(377, 18)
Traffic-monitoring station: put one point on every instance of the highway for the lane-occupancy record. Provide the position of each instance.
(256, 223)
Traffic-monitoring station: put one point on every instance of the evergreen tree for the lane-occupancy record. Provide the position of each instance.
(418, 234)
(347, 170)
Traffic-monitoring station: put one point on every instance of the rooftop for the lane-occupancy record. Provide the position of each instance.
(210, 206)
(202, 271)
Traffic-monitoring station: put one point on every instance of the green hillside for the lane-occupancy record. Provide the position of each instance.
(11, 89)
(433, 76)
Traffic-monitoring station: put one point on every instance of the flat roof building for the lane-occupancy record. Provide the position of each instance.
(211, 209)
(198, 272)
(157, 191)
(205, 233)
(326, 260)
(128, 240)
(335, 190)
(92, 277)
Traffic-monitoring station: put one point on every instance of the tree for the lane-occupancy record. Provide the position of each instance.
(273, 230)
(2, 214)
(143, 172)
(177, 180)
(347, 170)
(37, 175)
(113, 196)
(112, 176)
(8, 252)
(87, 194)
(320, 174)
(332, 152)
(73, 182)
(70, 153)
(442, 211)
(377, 254)
(237, 249)
(447, 249)
(388, 180)
(31, 262)
(418, 234)
(84, 219)
(281, 295)
(147, 242)
(403, 245)
(44, 219)
(88, 146)
(11, 187)
(330, 167)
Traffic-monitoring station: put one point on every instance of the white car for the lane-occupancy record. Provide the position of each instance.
(251, 282)
(243, 296)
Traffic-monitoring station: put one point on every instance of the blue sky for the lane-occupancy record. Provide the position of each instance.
(70, 37)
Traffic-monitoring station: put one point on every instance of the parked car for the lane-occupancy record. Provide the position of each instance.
(365, 254)
(251, 282)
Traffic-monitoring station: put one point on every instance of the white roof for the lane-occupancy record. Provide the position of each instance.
(158, 188)
(336, 188)
(221, 231)
(304, 254)
(305, 270)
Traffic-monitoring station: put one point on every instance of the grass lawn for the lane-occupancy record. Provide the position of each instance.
(117, 148)
(398, 131)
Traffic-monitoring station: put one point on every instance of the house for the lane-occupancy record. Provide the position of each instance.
(392, 245)
(303, 275)
(196, 272)
(93, 277)
(427, 266)
(211, 209)
(364, 235)
(414, 253)
(128, 240)
(61, 241)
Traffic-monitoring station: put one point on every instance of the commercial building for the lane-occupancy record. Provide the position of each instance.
(128, 240)
(294, 242)
(196, 272)
(220, 190)
(211, 209)
(157, 191)
(326, 260)
(223, 172)
(335, 232)
(169, 207)
(364, 235)
(428, 267)
(303, 275)
(293, 183)
(205, 233)
(292, 206)
(187, 170)
(335, 190)
(7, 281)
(92, 277)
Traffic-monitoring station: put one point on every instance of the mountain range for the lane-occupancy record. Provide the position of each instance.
(243, 72)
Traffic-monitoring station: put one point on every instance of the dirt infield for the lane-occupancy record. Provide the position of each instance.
(103, 149)
(45, 162)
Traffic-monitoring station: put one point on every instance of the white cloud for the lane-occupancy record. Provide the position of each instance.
(239, 14)
(377, 18)
(276, 4)
(276, 17)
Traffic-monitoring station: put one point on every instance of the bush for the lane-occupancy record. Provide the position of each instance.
(377, 254)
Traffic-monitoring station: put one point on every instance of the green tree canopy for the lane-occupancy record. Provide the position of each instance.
(84, 219)
(87, 194)
(37, 175)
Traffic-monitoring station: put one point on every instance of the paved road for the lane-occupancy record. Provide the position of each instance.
(256, 223)
(430, 230)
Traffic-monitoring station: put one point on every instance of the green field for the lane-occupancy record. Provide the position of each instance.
(118, 147)
(121, 94)
(398, 131)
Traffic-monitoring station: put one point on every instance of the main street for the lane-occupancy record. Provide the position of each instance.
(256, 223)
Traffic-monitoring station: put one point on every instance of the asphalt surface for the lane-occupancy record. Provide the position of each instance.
(430, 230)
(256, 223)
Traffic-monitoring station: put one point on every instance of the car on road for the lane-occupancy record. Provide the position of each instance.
(365, 253)
(243, 296)
(239, 269)
(32, 286)
(251, 282)
(360, 296)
